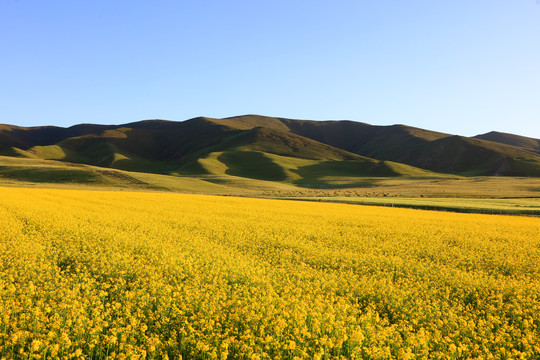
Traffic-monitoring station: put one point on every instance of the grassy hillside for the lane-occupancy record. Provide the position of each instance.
(511, 139)
(37, 172)
(404, 144)
(358, 149)
(382, 142)
(472, 157)
(352, 136)
(288, 144)
(312, 173)
(43, 171)
(170, 147)
(26, 137)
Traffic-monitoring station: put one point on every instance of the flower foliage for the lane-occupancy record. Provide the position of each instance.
(122, 275)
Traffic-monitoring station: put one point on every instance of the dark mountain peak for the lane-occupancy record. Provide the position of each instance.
(503, 134)
(511, 139)
(150, 123)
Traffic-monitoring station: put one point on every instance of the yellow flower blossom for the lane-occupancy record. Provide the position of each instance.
(97, 274)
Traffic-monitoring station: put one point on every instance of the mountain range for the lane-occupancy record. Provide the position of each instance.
(302, 152)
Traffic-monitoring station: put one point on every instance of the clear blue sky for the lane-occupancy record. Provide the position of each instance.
(458, 66)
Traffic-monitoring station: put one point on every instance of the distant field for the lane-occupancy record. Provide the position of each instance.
(442, 187)
(515, 206)
(110, 274)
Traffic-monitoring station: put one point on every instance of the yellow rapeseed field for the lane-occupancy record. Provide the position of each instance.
(127, 275)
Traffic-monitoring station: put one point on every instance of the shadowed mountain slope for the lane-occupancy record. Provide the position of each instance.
(178, 148)
(511, 139)
(244, 145)
(421, 148)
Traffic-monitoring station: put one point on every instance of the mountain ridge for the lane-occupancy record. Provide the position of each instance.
(174, 147)
(511, 139)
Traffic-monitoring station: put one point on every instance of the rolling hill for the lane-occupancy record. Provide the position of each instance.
(511, 139)
(300, 152)
(421, 148)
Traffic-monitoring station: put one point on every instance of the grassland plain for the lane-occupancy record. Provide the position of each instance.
(126, 275)
(512, 206)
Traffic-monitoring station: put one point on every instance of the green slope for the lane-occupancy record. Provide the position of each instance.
(169, 147)
(288, 144)
(417, 147)
(471, 157)
(45, 171)
(182, 144)
(30, 172)
(318, 173)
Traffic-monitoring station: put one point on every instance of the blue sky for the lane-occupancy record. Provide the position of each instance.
(463, 67)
